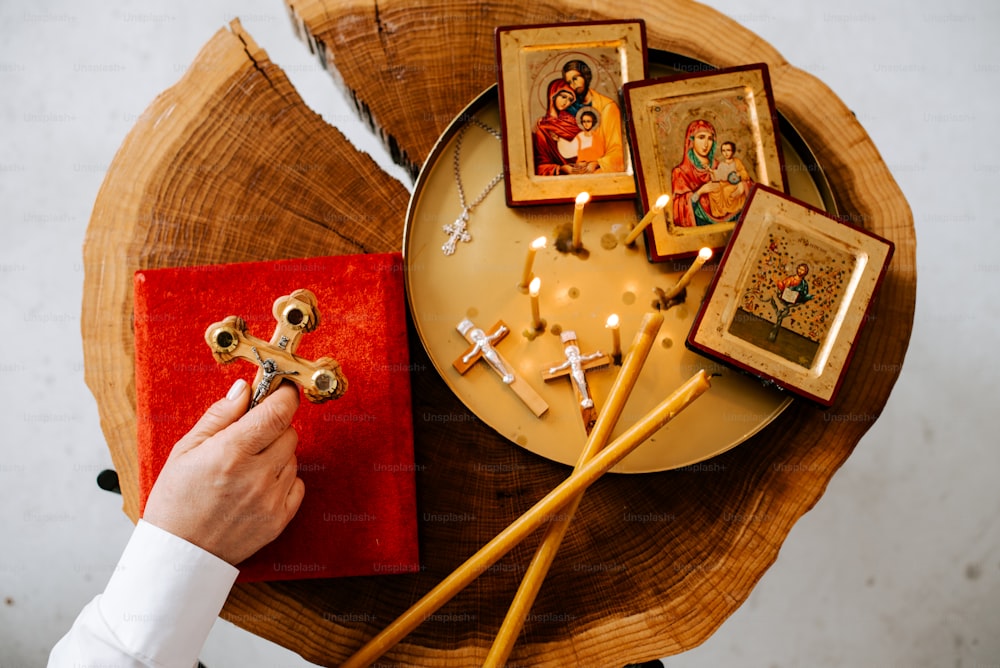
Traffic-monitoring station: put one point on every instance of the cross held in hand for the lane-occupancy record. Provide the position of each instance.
(296, 314)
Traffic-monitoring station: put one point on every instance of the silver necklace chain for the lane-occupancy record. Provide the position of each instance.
(459, 230)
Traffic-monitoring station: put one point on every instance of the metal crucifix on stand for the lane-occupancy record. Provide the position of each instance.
(483, 348)
(576, 367)
(296, 314)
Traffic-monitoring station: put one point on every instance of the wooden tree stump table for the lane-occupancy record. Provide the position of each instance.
(230, 165)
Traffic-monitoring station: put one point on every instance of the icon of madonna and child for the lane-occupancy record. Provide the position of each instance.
(710, 184)
(581, 130)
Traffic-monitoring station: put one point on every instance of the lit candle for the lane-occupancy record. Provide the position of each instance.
(535, 246)
(581, 199)
(616, 335)
(661, 202)
(703, 255)
(536, 320)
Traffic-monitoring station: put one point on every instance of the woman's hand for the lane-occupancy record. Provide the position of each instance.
(710, 187)
(230, 485)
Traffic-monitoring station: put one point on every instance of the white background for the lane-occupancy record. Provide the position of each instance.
(898, 564)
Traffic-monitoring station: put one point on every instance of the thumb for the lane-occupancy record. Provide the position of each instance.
(219, 415)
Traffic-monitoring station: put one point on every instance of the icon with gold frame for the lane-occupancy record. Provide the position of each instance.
(561, 111)
(705, 140)
(791, 294)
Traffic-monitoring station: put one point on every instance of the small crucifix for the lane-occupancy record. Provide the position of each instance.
(483, 348)
(296, 314)
(576, 367)
(457, 231)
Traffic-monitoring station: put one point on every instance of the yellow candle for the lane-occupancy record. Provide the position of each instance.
(703, 255)
(546, 552)
(533, 289)
(541, 513)
(581, 199)
(616, 335)
(535, 246)
(661, 202)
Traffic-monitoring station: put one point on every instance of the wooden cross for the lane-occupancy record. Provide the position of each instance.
(296, 314)
(483, 348)
(576, 367)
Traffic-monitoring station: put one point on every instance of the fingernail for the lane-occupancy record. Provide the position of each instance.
(236, 390)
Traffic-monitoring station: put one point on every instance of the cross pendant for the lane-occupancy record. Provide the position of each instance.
(458, 231)
(296, 314)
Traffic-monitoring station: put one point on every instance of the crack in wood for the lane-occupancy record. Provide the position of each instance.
(396, 153)
(238, 32)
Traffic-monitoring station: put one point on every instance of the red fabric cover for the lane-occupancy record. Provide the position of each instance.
(355, 453)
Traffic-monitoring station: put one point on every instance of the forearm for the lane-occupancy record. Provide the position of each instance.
(156, 610)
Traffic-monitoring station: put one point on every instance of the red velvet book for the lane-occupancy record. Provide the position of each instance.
(355, 453)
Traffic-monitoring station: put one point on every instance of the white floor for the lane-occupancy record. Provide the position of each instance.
(899, 563)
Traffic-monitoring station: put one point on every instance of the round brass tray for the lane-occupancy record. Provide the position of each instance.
(480, 281)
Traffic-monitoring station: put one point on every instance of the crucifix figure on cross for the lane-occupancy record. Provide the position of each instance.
(269, 369)
(483, 348)
(576, 367)
(296, 314)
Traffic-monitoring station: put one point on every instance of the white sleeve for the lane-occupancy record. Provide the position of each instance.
(156, 610)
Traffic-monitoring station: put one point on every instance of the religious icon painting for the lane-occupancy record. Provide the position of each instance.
(704, 140)
(561, 111)
(791, 294)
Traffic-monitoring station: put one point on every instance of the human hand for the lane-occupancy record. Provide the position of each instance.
(710, 187)
(230, 485)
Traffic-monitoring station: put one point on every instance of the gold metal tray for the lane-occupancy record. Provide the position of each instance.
(578, 292)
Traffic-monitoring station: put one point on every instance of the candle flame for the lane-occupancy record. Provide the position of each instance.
(612, 321)
(661, 201)
(705, 253)
(582, 198)
(539, 243)
(534, 286)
